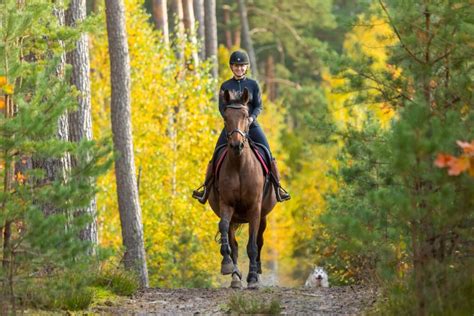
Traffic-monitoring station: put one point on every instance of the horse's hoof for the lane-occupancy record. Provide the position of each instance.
(253, 285)
(236, 284)
(236, 279)
(227, 268)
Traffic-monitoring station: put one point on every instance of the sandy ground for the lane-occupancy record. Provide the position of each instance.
(344, 300)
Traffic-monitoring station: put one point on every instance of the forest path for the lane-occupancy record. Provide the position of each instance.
(338, 300)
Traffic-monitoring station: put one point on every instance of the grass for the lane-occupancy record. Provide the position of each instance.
(76, 292)
(53, 297)
(253, 304)
(119, 282)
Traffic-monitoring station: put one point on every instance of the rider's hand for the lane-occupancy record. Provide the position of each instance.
(251, 119)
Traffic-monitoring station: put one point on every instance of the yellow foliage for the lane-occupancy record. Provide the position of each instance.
(370, 38)
(3, 81)
(9, 88)
(175, 126)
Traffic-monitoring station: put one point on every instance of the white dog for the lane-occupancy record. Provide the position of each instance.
(317, 278)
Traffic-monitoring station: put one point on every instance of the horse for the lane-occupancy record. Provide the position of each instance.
(238, 195)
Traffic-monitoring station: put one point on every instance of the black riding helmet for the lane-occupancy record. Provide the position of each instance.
(239, 57)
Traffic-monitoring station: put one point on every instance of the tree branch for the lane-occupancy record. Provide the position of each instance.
(398, 35)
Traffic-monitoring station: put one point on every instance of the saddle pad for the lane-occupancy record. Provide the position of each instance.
(263, 156)
(219, 158)
(257, 151)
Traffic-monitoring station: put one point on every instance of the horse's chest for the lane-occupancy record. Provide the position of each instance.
(241, 196)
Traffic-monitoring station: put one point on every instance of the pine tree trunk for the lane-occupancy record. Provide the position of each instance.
(129, 206)
(211, 34)
(80, 122)
(160, 15)
(56, 168)
(237, 37)
(228, 32)
(247, 40)
(96, 5)
(199, 15)
(270, 78)
(189, 25)
(60, 167)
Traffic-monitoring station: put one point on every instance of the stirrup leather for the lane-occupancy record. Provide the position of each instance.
(281, 194)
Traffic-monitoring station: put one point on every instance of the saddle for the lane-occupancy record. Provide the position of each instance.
(259, 150)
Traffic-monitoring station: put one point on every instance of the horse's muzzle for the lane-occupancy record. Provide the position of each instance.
(237, 147)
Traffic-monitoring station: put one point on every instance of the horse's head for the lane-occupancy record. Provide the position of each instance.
(236, 118)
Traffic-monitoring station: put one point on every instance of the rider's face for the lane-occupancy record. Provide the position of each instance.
(239, 70)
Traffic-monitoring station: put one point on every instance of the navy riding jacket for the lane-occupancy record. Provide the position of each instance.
(236, 87)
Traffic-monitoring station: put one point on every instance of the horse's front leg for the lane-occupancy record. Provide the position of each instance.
(227, 265)
(252, 249)
(234, 247)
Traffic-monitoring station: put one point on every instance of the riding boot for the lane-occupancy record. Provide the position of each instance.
(202, 195)
(281, 194)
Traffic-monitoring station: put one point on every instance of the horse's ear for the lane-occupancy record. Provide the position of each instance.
(226, 96)
(245, 96)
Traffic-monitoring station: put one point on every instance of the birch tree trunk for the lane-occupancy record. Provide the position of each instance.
(177, 8)
(160, 16)
(129, 206)
(199, 15)
(246, 39)
(80, 122)
(211, 34)
(189, 25)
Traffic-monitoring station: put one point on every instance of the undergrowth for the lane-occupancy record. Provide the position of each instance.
(251, 304)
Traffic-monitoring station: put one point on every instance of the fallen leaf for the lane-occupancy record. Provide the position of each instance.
(443, 160)
(468, 148)
(458, 165)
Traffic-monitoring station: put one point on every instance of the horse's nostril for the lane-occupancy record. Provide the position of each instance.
(237, 146)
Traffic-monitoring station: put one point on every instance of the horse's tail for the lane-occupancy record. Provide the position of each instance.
(238, 228)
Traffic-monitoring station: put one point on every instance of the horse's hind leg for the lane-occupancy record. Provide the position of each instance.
(227, 265)
(261, 230)
(234, 247)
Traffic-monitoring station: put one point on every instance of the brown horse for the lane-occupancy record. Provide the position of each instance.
(237, 196)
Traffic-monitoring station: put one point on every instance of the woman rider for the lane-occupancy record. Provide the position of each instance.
(239, 63)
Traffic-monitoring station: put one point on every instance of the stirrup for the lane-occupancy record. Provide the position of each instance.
(282, 195)
(201, 196)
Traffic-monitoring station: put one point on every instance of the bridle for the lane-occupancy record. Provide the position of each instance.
(244, 134)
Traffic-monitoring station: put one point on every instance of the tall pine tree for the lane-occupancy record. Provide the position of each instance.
(40, 251)
(397, 218)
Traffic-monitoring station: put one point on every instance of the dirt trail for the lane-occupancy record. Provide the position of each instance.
(346, 300)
